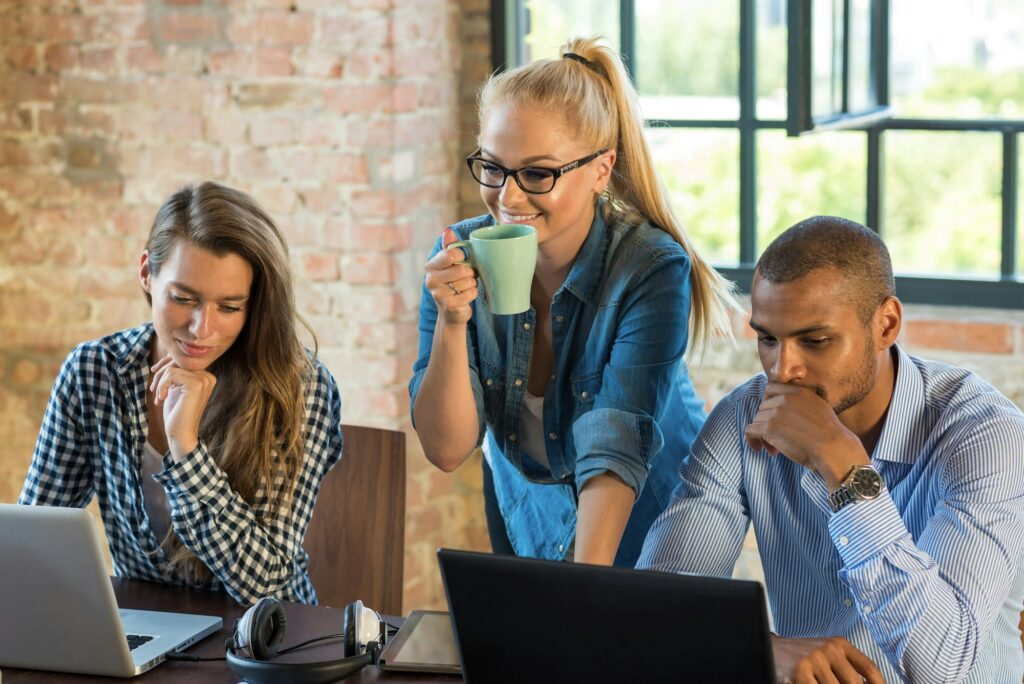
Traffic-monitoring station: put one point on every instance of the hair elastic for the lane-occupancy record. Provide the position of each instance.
(582, 60)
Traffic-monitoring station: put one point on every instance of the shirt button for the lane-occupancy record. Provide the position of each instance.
(526, 326)
(584, 394)
(561, 548)
(847, 602)
(519, 382)
(867, 610)
(512, 437)
(844, 541)
(559, 318)
(552, 435)
(489, 382)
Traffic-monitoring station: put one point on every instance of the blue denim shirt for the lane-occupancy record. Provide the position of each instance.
(619, 399)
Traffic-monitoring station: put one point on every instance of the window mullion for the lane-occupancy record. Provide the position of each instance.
(1008, 264)
(748, 132)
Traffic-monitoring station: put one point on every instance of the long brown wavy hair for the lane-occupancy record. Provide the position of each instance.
(602, 107)
(254, 422)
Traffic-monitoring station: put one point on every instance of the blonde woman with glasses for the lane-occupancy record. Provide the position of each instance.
(204, 433)
(582, 404)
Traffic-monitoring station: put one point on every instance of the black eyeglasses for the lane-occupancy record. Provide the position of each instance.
(535, 180)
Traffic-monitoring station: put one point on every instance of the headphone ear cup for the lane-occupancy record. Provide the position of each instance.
(348, 627)
(361, 627)
(261, 628)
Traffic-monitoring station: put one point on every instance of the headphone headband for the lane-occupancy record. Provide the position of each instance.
(261, 631)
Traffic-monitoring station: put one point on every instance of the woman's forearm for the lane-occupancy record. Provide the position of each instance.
(604, 507)
(445, 411)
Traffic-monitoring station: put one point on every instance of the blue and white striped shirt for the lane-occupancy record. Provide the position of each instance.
(91, 444)
(926, 580)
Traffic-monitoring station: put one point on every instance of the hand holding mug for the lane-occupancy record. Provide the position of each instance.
(183, 395)
(451, 282)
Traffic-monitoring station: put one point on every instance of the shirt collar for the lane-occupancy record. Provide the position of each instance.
(132, 350)
(588, 269)
(899, 441)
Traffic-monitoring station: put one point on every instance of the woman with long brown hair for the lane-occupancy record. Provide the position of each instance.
(206, 432)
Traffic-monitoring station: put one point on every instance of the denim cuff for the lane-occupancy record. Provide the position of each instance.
(613, 440)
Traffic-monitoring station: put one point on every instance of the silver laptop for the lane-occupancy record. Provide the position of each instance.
(57, 606)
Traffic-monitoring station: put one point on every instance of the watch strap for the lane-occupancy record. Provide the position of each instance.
(839, 498)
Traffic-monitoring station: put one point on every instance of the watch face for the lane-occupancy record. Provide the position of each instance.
(866, 483)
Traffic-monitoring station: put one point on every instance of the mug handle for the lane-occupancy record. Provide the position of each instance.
(466, 249)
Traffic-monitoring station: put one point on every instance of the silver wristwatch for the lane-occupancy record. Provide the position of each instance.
(862, 483)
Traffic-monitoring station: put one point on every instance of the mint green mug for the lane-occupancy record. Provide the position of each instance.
(505, 257)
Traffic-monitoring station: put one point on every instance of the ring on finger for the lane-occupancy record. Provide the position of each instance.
(453, 288)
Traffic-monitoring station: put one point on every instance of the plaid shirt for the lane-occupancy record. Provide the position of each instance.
(91, 444)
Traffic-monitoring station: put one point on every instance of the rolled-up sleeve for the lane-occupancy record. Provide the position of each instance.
(622, 432)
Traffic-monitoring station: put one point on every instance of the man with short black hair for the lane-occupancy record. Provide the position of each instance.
(886, 491)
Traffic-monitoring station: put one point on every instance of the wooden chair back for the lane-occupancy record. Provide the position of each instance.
(356, 538)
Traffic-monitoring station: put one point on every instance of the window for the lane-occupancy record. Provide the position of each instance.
(910, 119)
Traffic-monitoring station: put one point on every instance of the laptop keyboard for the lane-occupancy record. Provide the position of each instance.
(136, 640)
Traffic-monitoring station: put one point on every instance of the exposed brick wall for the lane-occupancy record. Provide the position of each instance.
(341, 117)
(347, 119)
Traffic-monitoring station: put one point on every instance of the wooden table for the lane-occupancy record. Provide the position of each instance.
(304, 622)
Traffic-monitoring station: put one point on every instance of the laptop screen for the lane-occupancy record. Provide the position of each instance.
(520, 619)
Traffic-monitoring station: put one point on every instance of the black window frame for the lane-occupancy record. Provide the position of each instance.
(1006, 291)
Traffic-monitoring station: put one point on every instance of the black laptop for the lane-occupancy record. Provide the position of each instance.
(526, 620)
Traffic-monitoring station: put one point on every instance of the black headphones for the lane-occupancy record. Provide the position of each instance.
(260, 632)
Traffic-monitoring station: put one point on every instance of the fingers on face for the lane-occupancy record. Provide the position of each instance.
(171, 375)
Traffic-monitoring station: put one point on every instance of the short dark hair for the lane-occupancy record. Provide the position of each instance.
(856, 251)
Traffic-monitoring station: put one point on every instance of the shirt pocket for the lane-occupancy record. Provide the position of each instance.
(584, 389)
(493, 381)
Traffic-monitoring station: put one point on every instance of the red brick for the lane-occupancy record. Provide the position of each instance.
(373, 204)
(351, 168)
(274, 62)
(322, 200)
(311, 300)
(271, 130)
(319, 131)
(131, 222)
(230, 62)
(301, 230)
(421, 61)
(253, 163)
(299, 164)
(373, 132)
(189, 27)
(143, 59)
(292, 95)
(23, 57)
(362, 98)
(99, 59)
(271, 28)
(369, 269)
(20, 87)
(55, 28)
(225, 127)
(377, 237)
(15, 119)
(974, 337)
(369, 65)
(374, 305)
(320, 266)
(318, 63)
(351, 30)
(437, 92)
(409, 25)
